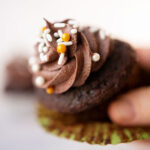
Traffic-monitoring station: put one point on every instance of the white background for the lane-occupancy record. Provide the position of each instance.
(20, 21)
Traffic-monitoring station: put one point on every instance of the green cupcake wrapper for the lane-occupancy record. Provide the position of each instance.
(93, 132)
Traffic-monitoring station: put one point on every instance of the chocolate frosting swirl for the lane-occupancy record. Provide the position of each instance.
(77, 63)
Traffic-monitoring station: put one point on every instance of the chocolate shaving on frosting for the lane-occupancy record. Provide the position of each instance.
(77, 63)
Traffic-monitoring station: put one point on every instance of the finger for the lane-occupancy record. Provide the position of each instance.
(132, 108)
(143, 58)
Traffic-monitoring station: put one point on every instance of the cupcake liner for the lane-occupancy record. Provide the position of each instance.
(91, 131)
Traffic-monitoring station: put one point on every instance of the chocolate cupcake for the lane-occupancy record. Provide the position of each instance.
(77, 71)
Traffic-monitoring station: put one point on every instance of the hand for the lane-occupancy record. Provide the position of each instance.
(133, 108)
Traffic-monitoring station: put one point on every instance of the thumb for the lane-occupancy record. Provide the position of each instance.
(143, 58)
(132, 108)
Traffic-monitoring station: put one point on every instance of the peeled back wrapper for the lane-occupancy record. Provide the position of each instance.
(84, 129)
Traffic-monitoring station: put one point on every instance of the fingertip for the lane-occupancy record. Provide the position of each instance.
(121, 112)
(131, 108)
(143, 55)
(112, 113)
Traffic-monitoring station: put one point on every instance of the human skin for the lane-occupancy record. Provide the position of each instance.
(133, 108)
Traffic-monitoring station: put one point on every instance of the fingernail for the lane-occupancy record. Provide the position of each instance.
(123, 111)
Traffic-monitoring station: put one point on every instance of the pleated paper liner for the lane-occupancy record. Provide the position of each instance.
(91, 131)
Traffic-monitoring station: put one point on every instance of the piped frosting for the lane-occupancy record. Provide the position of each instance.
(67, 54)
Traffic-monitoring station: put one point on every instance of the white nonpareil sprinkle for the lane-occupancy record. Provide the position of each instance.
(32, 60)
(40, 48)
(61, 58)
(41, 55)
(60, 33)
(39, 81)
(96, 57)
(102, 34)
(56, 35)
(73, 31)
(49, 38)
(93, 29)
(66, 43)
(35, 67)
(45, 49)
(59, 25)
(47, 31)
(59, 40)
(43, 58)
(46, 42)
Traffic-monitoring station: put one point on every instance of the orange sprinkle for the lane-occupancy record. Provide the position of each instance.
(50, 90)
(61, 48)
(65, 37)
(43, 29)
